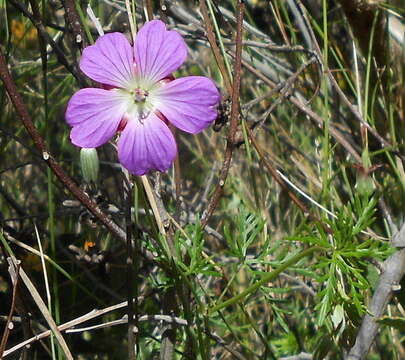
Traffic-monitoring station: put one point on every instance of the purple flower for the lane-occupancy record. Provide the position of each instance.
(140, 97)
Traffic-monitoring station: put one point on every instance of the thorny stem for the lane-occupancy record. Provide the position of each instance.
(230, 145)
(39, 142)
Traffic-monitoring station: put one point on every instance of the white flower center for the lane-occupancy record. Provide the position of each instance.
(142, 105)
(140, 100)
(140, 95)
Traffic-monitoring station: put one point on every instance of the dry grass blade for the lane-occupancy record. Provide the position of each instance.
(41, 306)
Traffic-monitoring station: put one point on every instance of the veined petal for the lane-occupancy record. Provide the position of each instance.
(189, 103)
(95, 115)
(147, 146)
(158, 52)
(109, 61)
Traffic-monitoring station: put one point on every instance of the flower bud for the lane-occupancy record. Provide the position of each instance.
(89, 164)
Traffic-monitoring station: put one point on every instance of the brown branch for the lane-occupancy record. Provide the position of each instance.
(230, 145)
(73, 19)
(39, 142)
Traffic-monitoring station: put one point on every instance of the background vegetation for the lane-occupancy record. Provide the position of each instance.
(279, 232)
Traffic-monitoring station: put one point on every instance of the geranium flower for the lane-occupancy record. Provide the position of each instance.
(140, 97)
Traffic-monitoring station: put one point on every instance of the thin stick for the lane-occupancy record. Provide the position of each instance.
(230, 145)
(214, 47)
(94, 20)
(124, 320)
(45, 273)
(74, 22)
(41, 255)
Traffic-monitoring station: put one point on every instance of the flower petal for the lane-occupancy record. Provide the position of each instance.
(95, 115)
(109, 61)
(189, 103)
(147, 146)
(158, 52)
